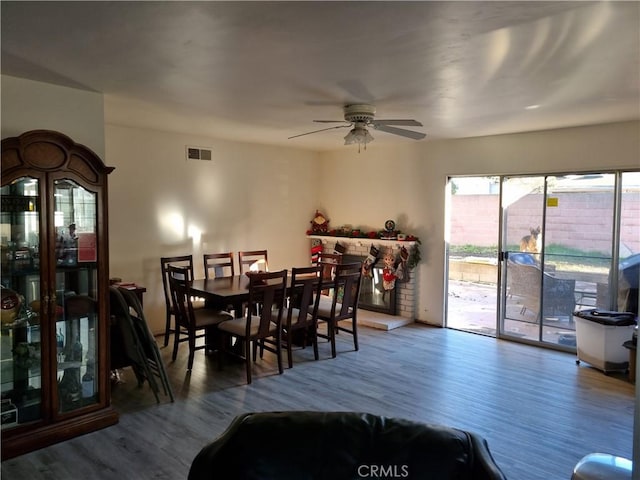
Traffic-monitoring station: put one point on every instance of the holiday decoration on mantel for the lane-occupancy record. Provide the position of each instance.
(408, 259)
(389, 231)
(370, 261)
(319, 224)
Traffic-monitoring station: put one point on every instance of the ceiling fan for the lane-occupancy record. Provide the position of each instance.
(361, 116)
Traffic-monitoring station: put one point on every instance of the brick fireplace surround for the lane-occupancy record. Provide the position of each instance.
(405, 291)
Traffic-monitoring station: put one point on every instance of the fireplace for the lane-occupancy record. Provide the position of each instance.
(399, 302)
(372, 296)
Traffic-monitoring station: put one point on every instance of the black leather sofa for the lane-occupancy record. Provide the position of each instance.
(342, 445)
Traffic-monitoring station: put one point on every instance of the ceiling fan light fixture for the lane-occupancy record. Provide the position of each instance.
(359, 135)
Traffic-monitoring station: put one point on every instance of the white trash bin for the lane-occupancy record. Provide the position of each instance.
(599, 338)
(602, 466)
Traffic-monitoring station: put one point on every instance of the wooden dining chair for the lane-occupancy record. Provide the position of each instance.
(268, 290)
(147, 340)
(218, 265)
(328, 262)
(184, 261)
(249, 257)
(139, 349)
(300, 325)
(343, 305)
(326, 257)
(191, 324)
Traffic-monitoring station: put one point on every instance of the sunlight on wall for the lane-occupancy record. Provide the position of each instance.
(195, 234)
(171, 226)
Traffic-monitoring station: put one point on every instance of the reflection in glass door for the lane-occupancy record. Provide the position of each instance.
(558, 250)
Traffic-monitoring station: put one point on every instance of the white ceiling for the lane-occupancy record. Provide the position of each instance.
(263, 71)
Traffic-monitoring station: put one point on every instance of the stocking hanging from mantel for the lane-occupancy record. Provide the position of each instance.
(402, 272)
(370, 261)
(316, 250)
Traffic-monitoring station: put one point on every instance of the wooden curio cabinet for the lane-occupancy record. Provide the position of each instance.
(54, 370)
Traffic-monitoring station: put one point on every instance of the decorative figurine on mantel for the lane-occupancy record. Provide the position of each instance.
(389, 230)
(319, 224)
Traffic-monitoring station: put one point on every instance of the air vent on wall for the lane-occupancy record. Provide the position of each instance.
(198, 153)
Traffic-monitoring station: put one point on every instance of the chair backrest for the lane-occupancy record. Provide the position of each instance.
(130, 342)
(248, 258)
(524, 280)
(328, 260)
(180, 279)
(303, 301)
(218, 265)
(267, 294)
(330, 257)
(182, 260)
(348, 277)
(139, 321)
(148, 342)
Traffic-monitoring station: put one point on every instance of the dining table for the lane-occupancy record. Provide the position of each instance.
(234, 291)
(221, 292)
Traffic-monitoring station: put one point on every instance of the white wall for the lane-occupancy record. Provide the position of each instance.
(407, 183)
(29, 105)
(254, 196)
(249, 197)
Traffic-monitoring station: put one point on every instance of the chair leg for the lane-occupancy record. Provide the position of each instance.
(332, 337)
(247, 355)
(167, 329)
(289, 349)
(354, 331)
(314, 339)
(192, 349)
(176, 341)
(279, 352)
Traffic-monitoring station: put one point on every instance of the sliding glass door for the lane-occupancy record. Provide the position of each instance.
(525, 252)
(559, 244)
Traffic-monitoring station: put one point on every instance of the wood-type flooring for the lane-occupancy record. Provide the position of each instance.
(538, 410)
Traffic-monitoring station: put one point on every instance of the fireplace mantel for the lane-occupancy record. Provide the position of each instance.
(360, 241)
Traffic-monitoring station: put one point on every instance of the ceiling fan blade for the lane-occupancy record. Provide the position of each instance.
(405, 123)
(400, 131)
(329, 121)
(321, 130)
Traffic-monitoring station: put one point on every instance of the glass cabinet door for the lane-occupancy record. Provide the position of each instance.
(76, 294)
(20, 347)
(54, 334)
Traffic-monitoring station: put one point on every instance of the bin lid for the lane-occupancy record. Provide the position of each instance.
(607, 317)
